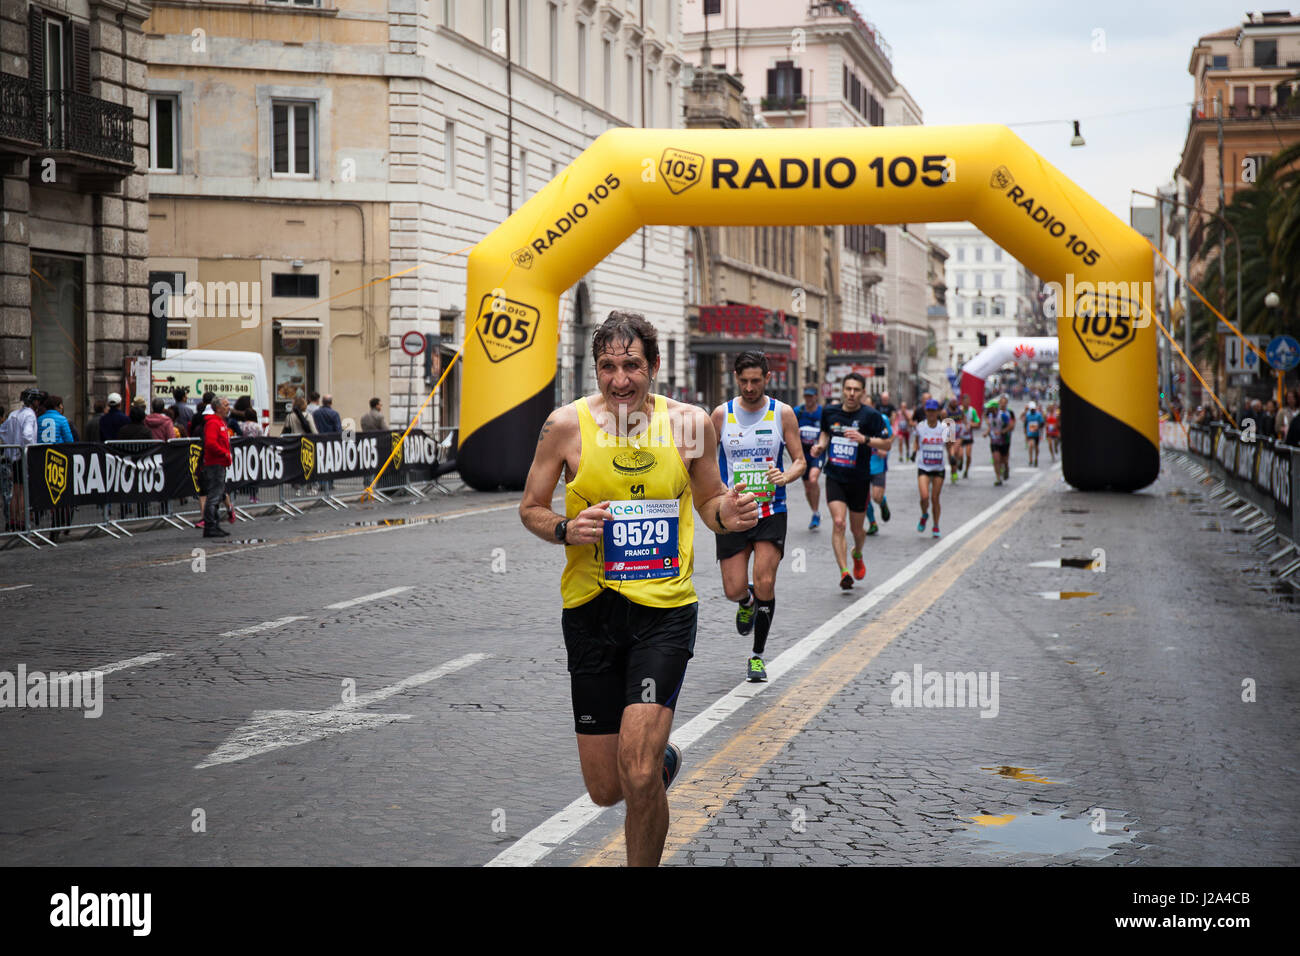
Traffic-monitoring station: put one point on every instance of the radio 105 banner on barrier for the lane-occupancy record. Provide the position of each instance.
(82, 473)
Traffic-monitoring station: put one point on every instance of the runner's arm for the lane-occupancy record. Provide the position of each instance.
(713, 499)
(556, 436)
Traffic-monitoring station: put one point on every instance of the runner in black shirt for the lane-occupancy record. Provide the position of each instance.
(849, 431)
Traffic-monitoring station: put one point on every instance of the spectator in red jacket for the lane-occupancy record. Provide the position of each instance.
(216, 459)
(159, 422)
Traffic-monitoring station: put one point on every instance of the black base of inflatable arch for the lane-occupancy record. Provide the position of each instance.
(500, 453)
(1101, 453)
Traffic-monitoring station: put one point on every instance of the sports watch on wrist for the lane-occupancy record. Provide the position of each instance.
(562, 531)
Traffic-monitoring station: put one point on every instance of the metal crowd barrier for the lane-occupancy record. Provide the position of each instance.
(42, 527)
(1259, 479)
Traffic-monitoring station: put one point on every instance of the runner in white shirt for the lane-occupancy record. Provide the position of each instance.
(932, 438)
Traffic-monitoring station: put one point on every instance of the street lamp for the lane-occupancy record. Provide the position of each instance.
(1077, 140)
(1273, 301)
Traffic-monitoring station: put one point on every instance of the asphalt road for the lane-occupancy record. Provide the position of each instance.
(339, 689)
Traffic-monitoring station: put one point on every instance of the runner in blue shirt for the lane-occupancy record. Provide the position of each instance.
(809, 416)
(879, 472)
(1035, 423)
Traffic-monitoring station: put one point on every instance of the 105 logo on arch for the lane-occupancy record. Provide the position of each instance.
(507, 329)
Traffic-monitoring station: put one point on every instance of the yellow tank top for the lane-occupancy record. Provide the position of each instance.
(648, 552)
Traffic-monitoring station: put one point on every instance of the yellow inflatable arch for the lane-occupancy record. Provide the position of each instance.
(629, 178)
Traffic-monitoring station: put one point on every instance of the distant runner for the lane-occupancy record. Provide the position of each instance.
(932, 438)
(754, 432)
(809, 415)
(967, 423)
(997, 425)
(1034, 424)
(850, 431)
(1053, 428)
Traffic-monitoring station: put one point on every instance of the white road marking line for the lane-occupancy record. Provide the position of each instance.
(131, 662)
(214, 553)
(16, 587)
(269, 730)
(551, 833)
(367, 597)
(264, 626)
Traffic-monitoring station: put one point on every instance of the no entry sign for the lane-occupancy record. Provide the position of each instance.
(413, 344)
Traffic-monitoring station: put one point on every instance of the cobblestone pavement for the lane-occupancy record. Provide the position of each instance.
(1127, 700)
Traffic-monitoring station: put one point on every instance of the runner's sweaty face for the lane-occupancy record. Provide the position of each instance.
(853, 391)
(751, 383)
(623, 376)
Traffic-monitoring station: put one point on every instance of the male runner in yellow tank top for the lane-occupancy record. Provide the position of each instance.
(633, 462)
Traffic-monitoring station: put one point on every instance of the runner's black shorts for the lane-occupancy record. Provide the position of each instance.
(623, 653)
(771, 528)
(852, 493)
(1003, 447)
(933, 474)
(967, 441)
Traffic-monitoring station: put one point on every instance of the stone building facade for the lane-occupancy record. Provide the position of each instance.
(73, 154)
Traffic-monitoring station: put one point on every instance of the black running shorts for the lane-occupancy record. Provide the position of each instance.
(852, 493)
(622, 653)
(1001, 448)
(771, 528)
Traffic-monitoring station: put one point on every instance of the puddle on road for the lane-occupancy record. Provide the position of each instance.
(1065, 595)
(1086, 564)
(380, 523)
(1075, 511)
(1019, 773)
(1071, 537)
(1035, 833)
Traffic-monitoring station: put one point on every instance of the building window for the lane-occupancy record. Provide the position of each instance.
(607, 65)
(784, 86)
(1241, 101)
(997, 253)
(293, 138)
(58, 337)
(961, 310)
(957, 279)
(1265, 53)
(649, 118)
(979, 280)
(449, 14)
(487, 22)
(582, 61)
(487, 167)
(997, 280)
(449, 156)
(295, 285)
(979, 253)
(631, 89)
(961, 253)
(295, 3)
(959, 333)
(1263, 96)
(977, 308)
(553, 36)
(998, 308)
(295, 370)
(164, 136)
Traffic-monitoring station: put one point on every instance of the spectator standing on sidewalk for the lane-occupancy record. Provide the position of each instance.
(19, 429)
(313, 403)
(51, 426)
(373, 420)
(300, 421)
(136, 429)
(113, 419)
(328, 420)
(159, 422)
(216, 459)
(184, 412)
(92, 426)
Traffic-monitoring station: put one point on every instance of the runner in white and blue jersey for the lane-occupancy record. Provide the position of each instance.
(754, 434)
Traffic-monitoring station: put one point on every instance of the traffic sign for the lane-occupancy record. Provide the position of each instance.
(1283, 353)
(1240, 358)
(413, 344)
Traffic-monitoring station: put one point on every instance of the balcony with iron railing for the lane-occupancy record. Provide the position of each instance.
(783, 103)
(94, 138)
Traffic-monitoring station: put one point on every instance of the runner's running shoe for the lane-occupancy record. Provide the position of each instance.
(745, 614)
(920, 525)
(672, 763)
(884, 508)
(935, 532)
(756, 673)
(873, 528)
(816, 521)
(846, 580)
(859, 566)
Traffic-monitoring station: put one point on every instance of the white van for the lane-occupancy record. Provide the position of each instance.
(228, 373)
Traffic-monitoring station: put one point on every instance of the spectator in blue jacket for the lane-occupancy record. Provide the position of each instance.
(51, 426)
(327, 420)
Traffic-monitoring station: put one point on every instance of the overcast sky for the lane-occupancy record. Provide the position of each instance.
(1014, 62)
